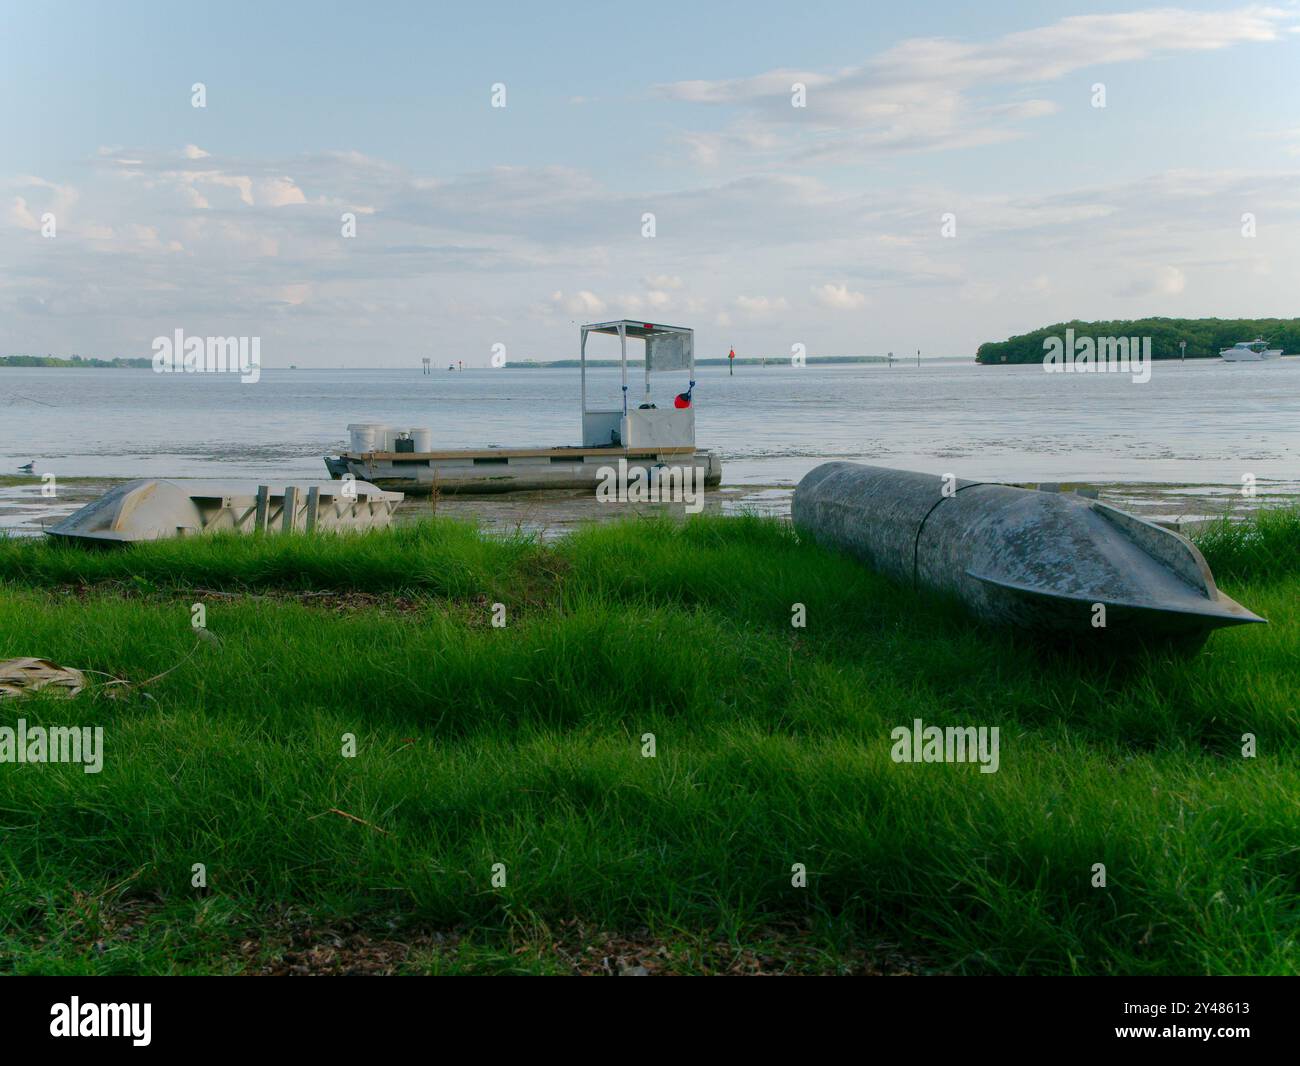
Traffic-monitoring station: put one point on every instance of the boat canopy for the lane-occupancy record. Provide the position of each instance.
(666, 348)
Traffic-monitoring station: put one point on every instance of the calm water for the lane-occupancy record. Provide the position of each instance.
(1204, 423)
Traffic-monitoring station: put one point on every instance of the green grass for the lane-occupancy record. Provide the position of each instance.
(522, 745)
(1262, 549)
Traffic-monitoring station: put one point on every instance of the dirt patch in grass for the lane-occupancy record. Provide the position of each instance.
(574, 947)
(337, 602)
(541, 596)
(774, 951)
(309, 951)
(290, 942)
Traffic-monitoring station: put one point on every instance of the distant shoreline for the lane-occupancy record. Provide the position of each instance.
(1203, 338)
(51, 362)
(561, 364)
(74, 362)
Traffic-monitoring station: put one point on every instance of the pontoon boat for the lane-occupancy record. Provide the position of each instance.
(646, 435)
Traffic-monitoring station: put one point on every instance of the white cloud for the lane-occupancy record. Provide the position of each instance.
(1171, 281)
(760, 305)
(662, 281)
(38, 198)
(580, 303)
(293, 295)
(839, 298)
(195, 176)
(931, 93)
(20, 215)
(1158, 281)
(279, 192)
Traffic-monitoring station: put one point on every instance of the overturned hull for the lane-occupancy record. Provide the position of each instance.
(1039, 560)
(493, 470)
(157, 509)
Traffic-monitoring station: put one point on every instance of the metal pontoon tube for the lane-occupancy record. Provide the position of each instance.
(1039, 560)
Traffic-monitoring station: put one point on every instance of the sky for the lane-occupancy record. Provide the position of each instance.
(856, 178)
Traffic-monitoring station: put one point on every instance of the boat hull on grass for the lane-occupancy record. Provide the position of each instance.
(1044, 561)
(160, 509)
(497, 470)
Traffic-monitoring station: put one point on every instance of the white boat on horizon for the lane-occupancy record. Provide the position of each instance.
(1249, 352)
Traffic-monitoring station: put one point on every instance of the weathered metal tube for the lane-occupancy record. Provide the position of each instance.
(1047, 561)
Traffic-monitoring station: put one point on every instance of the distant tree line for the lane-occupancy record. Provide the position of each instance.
(1204, 337)
(76, 360)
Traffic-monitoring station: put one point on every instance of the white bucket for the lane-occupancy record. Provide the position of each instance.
(423, 439)
(369, 437)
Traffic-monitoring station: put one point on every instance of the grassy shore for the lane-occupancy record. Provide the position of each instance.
(523, 746)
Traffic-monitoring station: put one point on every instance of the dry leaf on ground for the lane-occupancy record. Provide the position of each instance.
(21, 677)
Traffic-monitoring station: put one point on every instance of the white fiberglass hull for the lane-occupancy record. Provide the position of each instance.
(1245, 355)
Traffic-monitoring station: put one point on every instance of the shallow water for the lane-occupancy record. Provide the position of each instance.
(1203, 424)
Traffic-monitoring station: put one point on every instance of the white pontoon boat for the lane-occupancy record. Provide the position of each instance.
(645, 436)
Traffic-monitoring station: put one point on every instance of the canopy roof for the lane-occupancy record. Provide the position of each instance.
(632, 328)
(666, 348)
